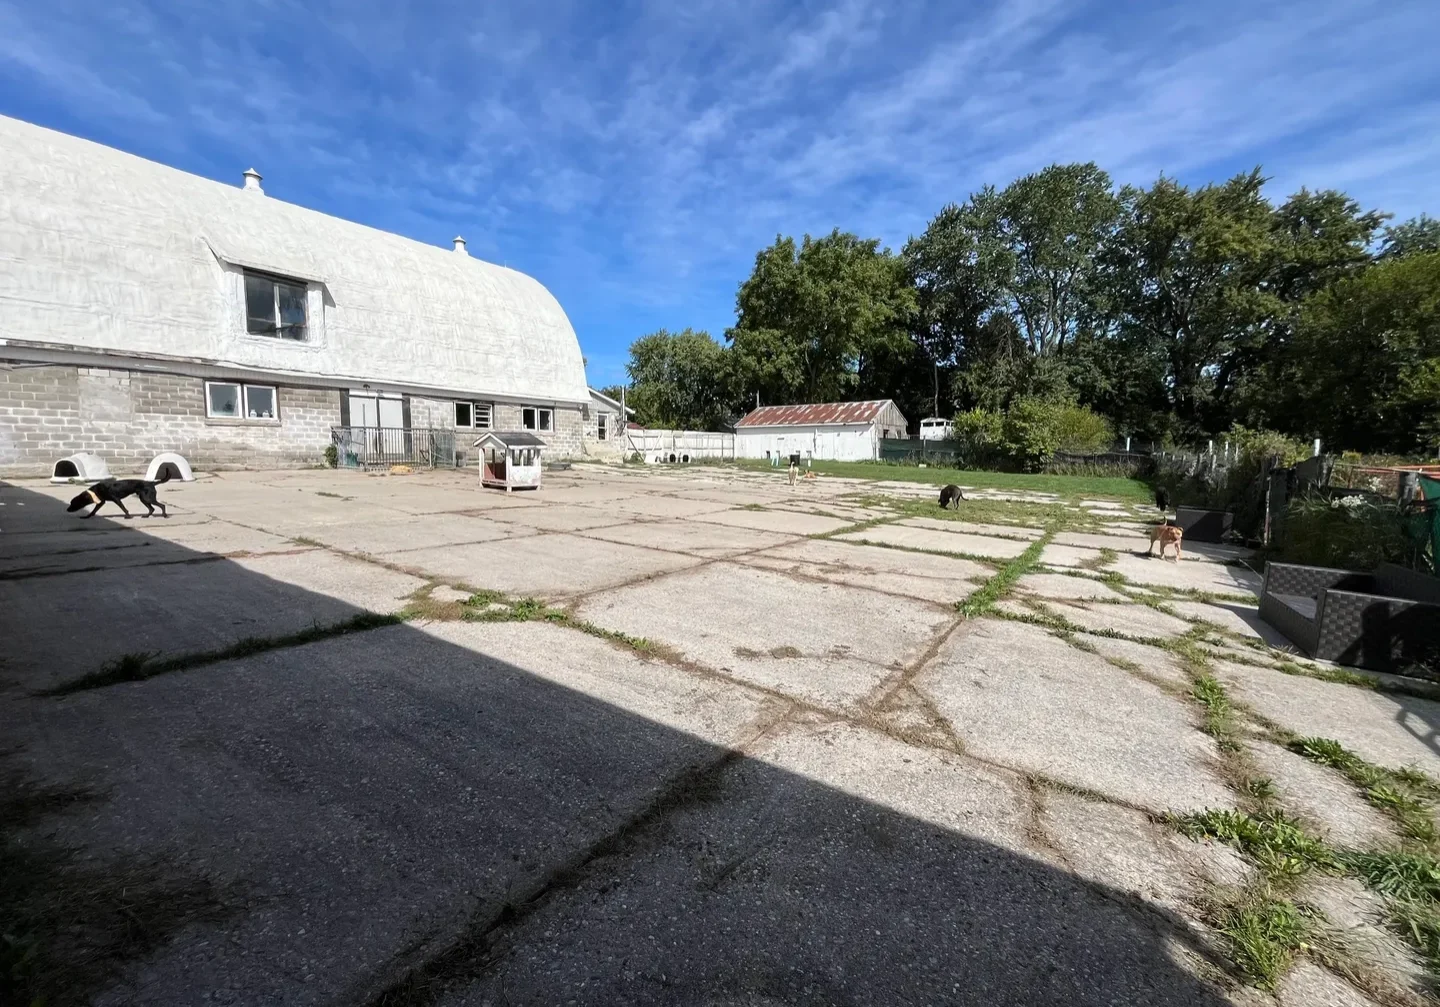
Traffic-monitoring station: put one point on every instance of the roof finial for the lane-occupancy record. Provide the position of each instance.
(252, 181)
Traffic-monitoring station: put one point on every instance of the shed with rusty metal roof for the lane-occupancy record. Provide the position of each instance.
(840, 431)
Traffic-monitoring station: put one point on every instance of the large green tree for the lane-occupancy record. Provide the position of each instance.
(1186, 272)
(1367, 356)
(1039, 241)
(1418, 234)
(679, 380)
(817, 321)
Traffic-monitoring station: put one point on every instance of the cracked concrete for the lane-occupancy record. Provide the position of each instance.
(812, 783)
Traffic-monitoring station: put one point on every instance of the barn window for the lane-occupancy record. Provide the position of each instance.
(274, 306)
(472, 415)
(233, 401)
(535, 418)
(602, 426)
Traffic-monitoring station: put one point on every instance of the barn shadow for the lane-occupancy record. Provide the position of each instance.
(402, 816)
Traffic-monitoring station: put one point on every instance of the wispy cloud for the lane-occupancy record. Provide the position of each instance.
(635, 157)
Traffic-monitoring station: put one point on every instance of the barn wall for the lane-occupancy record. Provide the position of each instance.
(850, 442)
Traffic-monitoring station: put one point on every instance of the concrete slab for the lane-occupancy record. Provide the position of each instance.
(1360, 921)
(1122, 849)
(547, 566)
(695, 538)
(783, 522)
(1079, 557)
(915, 575)
(365, 586)
(1325, 798)
(657, 506)
(84, 621)
(937, 541)
(217, 537)
(1235, 617)
(1157, 663)
(1121, 538)
(562, 517)
(1027, 700)
(1385, 728)
(1310, 985)
(402, 533)
(1057, 585)
(827, 644)
(1132, 620)
(377, 791)
(974, 528)
(1188, 573)
(838, 866)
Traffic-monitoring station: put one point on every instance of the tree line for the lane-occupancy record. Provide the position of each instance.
(1174, 312)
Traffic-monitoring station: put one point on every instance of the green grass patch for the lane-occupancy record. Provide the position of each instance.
(1020, 513)
(1109, 487)
(1264, 935)
(1277, 843)
(984, 598)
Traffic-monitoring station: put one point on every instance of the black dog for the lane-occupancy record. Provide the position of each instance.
(1162, 500)
(951, 495)
(114, 491)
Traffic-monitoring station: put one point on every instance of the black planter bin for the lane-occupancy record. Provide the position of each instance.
(1204, 525)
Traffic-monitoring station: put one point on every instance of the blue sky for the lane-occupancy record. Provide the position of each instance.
(634, 156)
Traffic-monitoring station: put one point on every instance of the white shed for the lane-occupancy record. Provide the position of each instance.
(839, 431)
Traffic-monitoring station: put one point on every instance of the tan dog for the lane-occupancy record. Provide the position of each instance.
(1166, 534)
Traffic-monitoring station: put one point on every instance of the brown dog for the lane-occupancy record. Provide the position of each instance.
(1165, 534)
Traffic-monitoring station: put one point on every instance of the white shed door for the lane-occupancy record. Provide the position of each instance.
(392, 413)
(363, 412)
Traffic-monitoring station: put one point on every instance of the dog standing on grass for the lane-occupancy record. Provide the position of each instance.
(1166, 534)
(794, 469)
(951, 495)
(114, 491)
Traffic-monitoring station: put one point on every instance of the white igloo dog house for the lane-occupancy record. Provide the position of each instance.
(171, 464)
(82, 465)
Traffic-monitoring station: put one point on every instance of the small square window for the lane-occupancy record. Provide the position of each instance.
(464, 415)
(222, 401)
(527, 418)
(275, 307)
(259, 402)
(483, 415)
(546, 420)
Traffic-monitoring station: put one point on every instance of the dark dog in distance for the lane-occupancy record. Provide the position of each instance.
(116, 490)
(951, 495)
(1162, 500)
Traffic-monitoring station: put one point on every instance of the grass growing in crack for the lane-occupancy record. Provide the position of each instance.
(1106, 557)
(997, 587)
(1277, 843)
(1405, 794)
(1264, 934)
(1022, 515)
(1219, 714)
(138, 667)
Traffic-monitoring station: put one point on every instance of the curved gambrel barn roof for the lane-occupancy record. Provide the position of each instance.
(105, 251)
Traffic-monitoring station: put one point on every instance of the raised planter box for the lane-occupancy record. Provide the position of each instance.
(1204, 525)
(1388, 620)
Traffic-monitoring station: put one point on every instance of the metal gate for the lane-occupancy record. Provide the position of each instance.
(378, 447)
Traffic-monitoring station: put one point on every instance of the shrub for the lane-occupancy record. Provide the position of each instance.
(979, 436)
(1357, 533)
(1032, 432)
(332, 456)
(1083, 431)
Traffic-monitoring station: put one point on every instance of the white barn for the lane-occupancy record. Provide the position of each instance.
(840, 431)
(144, 309)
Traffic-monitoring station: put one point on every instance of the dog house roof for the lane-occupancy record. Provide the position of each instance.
(510, 439)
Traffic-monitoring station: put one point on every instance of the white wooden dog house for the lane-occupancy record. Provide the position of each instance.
(510, 459)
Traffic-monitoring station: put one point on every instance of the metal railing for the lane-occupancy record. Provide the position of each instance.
(378, 447)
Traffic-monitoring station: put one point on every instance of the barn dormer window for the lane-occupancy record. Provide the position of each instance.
(274, 306)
